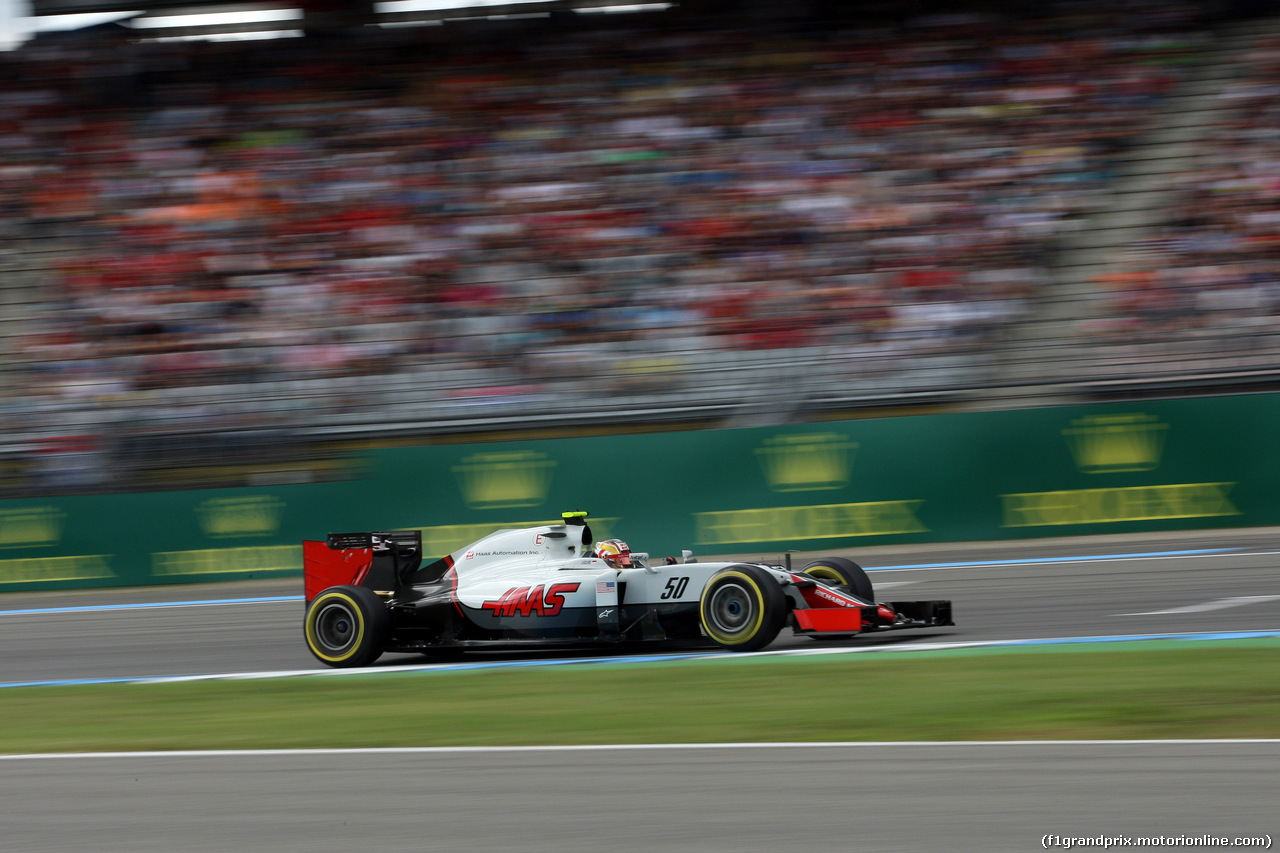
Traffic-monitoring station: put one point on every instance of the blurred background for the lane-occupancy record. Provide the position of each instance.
(237, 242)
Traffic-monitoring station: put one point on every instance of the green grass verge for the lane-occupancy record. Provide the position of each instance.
(1139, 690)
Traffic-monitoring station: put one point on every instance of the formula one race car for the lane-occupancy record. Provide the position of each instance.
(368, 593)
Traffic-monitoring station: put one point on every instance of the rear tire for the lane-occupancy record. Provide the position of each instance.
(347, 626)
(845, 573)
(743, 608)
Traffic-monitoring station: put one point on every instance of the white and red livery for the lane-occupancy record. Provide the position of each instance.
(368, 593)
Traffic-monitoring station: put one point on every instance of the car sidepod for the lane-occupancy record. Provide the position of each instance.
(543, 602)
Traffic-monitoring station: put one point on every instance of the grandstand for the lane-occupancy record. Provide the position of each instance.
(224, 262)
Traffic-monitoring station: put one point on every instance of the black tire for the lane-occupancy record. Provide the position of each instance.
(347, 626)
(743, 608)
(845, 573)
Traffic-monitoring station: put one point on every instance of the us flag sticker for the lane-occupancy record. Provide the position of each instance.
(605, 587)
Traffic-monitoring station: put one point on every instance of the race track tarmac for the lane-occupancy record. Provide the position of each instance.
(906, 798)
(882, 797)
(1098, 586)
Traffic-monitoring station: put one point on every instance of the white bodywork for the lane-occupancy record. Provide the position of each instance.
(551, 558)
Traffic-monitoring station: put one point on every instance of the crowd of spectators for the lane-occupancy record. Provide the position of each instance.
(548, 213)
(1210, 273)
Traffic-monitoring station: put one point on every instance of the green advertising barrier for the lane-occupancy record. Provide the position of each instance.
(1160, 465)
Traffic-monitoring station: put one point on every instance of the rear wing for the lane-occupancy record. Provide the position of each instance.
(381, 560)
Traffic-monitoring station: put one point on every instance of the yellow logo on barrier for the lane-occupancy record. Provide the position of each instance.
(1112, 444)
(31, 527)
(55, 569)
(221, 518)
(228, 561)
(790, 523)
(505, 480)
(1108, 506)
(811, 462)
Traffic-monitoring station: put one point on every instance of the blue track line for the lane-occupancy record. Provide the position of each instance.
(1138, 638)
(1030, 560)
(148, 605)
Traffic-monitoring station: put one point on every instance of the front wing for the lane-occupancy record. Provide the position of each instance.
(823, 609)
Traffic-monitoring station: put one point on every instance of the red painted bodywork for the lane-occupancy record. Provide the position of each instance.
(824, 597)
(818, 595)
(323, 567)
(842, 619)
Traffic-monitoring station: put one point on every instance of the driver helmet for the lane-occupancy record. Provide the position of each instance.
(614, 552)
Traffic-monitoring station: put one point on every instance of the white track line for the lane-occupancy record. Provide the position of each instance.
(1219, 604)
(606, 747)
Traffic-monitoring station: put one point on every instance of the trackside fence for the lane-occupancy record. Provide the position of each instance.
(1055, 471)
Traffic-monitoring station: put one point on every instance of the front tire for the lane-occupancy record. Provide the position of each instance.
(743, 608)
(347, 626)
(845, 573)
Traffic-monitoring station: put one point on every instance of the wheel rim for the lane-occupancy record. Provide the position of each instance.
(335, 627)
(731, 608)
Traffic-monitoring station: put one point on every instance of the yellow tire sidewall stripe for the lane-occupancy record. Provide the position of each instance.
(316, 607)
(826, 573)
(738, 639)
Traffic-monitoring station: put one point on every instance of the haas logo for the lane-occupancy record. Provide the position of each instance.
(531, 601)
